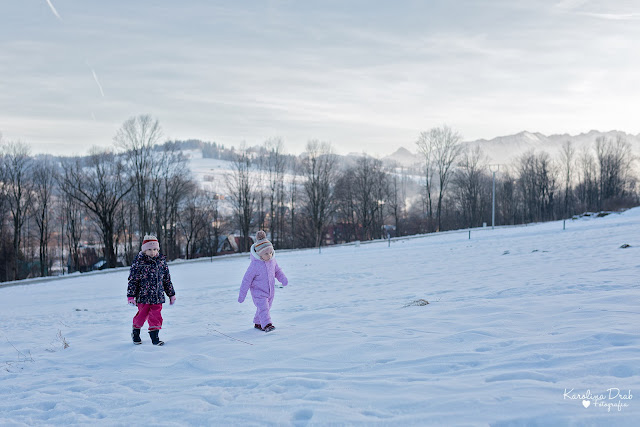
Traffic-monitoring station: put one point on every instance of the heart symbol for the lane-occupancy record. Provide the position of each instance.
(586, 403)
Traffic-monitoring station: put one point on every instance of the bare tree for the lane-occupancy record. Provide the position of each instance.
(192, 219)
(446, 150)
(345, 207)
(293, 202)
(364, 193)
(614, 163)
(548, 178)
(537, 181)
(44, 179)
(127, 227)
(241, 187)
(567, 159)
(74, 221)
(281, 208)
(215, 219)
(319, 170)
(369, 195)
(527, 181)
(137, 137)
(381, 193)
(507, 200)
(260, 192)
(587, 188)
(276, 165)
(17, 171)
(169, 186)
(397, 200)
(426, 146)
(468, 181)
(6, 248)
(100, 186)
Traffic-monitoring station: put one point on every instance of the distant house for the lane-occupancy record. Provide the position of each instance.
(231, 244)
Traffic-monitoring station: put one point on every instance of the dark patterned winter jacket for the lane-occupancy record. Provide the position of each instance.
(149, 279)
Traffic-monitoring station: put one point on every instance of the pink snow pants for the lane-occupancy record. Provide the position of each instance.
(263, 305)
(150, 312)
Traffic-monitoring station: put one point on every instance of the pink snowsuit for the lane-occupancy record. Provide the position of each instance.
(260, 279)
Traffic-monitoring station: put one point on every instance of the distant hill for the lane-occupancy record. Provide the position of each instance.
(210, 162)
(402, 157)
(506, 149)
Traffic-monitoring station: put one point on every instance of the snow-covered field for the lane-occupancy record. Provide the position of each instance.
(212, 174)
(525, 326)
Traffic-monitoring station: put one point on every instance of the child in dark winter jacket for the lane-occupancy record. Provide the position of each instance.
(149, 280)
(260, 280)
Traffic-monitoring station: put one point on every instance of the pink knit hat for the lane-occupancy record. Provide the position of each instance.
(262, 245)
(150, 242)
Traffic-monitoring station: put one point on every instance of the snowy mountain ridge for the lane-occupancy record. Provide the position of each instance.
(505, 149)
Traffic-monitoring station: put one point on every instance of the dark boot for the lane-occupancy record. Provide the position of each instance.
(255, 325)
(268, 328)
(135, 335)
(154, 337)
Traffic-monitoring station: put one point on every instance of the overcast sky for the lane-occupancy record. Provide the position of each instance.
(362, 75)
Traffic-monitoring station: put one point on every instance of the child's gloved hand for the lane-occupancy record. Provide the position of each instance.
(240, 300)
(285, 283)
(172, 300)
(132, 301)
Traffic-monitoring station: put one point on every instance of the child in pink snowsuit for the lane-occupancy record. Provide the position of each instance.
(260, 280)
(149, 280)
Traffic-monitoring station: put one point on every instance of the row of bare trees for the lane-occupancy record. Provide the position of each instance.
(103, 203)
(292, 198)
(536, 187)
(54, 209)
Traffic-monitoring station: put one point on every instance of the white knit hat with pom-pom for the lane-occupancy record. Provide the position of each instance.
(262, 245)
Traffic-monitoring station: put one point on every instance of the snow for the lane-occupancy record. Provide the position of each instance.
(530, 325)
(212, 174)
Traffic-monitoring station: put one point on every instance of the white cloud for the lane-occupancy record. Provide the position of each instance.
(322, 71)
(570, 4)
(613, 16)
